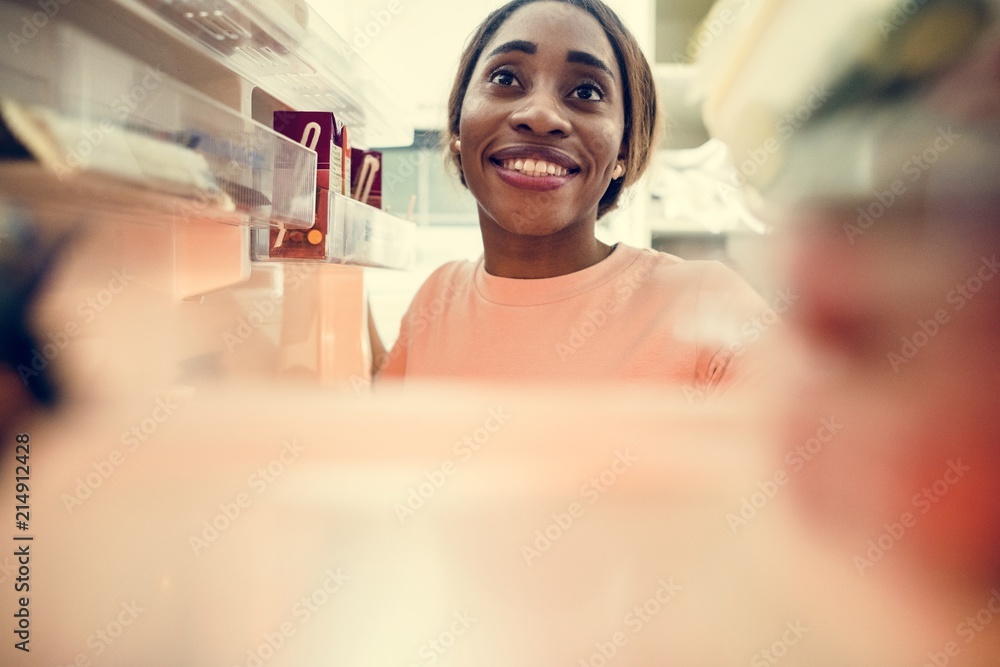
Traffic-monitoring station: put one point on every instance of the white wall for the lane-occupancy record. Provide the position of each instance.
(416, 43)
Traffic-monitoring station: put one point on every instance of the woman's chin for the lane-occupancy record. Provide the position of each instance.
(542, 224)
(532, 229)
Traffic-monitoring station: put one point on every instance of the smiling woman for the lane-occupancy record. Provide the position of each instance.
(553, 113)
(623, 62)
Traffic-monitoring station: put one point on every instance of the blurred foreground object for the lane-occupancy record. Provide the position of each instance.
(872, 130)
(837, 101)
(442, 525)
(27, 255)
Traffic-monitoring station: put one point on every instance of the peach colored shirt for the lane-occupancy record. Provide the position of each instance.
(638, 315)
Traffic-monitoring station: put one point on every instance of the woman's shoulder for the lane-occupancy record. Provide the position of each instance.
(662, 267)
(708, 278)
(699, 270)
(461, 270)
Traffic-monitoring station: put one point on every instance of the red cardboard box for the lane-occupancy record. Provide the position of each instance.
(304, 243)
(322, 132)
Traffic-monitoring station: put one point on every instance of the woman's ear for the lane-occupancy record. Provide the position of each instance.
(622, 161)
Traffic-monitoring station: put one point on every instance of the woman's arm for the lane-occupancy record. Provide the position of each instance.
(378, 349)
(738, 333)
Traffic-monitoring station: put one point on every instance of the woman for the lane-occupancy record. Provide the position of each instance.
(552, 114)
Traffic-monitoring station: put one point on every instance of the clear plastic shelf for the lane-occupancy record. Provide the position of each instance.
(94, 121)
(373, 237)
(355, 234)
(287, 49)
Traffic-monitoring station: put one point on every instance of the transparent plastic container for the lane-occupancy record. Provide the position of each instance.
(115, 135)
(352, 233)
(287, 49)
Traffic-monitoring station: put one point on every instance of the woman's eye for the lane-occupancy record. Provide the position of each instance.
(588, 92)
(503, 78)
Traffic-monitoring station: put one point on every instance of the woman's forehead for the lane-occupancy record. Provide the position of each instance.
(557, 25)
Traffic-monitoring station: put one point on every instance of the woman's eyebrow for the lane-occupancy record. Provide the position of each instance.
(531, 48)
(515, 45)
(585, 58)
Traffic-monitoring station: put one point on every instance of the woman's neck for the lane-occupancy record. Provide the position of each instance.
(509, 255)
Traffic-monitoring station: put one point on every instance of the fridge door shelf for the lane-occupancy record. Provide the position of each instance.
(89, 197)
(347, 232)
(287, 49)
(105, 131)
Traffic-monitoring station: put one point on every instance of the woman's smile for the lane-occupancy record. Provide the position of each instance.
(538, 168)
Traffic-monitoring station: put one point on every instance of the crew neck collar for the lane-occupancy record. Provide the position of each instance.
(539, 291)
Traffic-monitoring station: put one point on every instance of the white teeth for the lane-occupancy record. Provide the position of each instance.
(531, 167)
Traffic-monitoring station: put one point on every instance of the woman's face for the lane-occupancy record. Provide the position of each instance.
(542, 121)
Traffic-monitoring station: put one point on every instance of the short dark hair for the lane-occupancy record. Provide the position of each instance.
(641, 109)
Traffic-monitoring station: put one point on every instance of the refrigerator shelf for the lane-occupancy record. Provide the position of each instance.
(355, 234)
(95, 121)
(288, 50)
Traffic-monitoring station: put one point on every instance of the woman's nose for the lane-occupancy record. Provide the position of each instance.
(541, 113)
